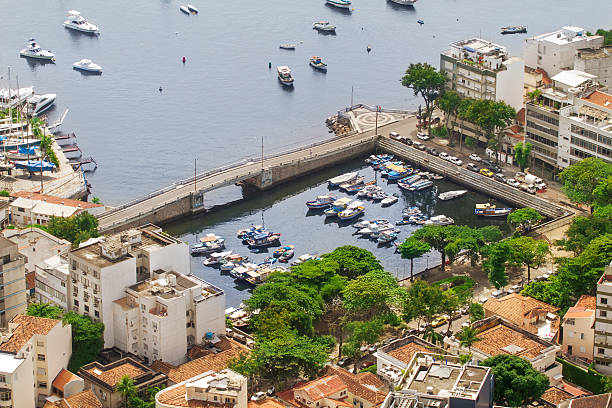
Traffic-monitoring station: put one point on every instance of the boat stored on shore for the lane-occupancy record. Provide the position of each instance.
(449, 195)
(284, 75)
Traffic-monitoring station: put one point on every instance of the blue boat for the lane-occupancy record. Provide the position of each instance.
(421, 22)
(514, 30)
(35, 166)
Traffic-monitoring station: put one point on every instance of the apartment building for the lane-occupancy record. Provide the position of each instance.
(33, 352)
(596, 61)
(442, 381)
(578, 328)
(36, 245)
(394, 358)
(224, 388)
(13, 292)
(602, 349)
(480, 69)
(52, 277)
(158, 319)
(102, 380)
(585, 129)
(556, 51)
(100, 271)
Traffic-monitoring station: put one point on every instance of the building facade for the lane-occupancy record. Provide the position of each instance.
(35, 208)
(602, 349)
(52, 281)
(596, 61)
(578, 329)
(13, 291)
(480, 69)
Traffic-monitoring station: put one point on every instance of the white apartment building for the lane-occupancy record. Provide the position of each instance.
(480, 69)
(100, 272)
(160, 317)
(36, 245)
(596, 61)
(13, 293)
(602, 349)
(556, 51)
(585, 129)
(52, 281)
(33, 352)
(224, 388)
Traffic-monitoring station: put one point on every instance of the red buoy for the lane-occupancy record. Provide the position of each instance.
(184, 59)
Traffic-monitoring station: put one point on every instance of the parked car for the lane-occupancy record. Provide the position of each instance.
(498, 293)
(512, 182)
(455, 160)
(475, 157)
(439, 321)
(435, 152)
(444, 155)
(491, 166)
(422, 136)
(418, 145)
(258, 396)
(500, 177)
(343, 361)
(367, 364)
(472, 167)
(429, 150)
(395, 136)
(407, 141)
(486, 172)
(483, 300)
(528, 188)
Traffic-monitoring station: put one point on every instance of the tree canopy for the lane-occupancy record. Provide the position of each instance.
(583, 230)
(581, 179)
(353, 261)
(449, 103)
(426, 82)
(413, 248)
(75, 229)
(371, 294)
(521, 154)
(517, 383)
(524, 218)
(527, 251)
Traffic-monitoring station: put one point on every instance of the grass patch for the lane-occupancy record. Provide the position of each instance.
(457, 283)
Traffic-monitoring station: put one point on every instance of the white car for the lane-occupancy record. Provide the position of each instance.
(455, 160)
(258, 396)
(512, 182)
(444, 155)
(475, 157)
(422, 136)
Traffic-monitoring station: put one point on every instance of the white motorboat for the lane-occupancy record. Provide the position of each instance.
(10, 98)
(344, 178)
(34, 50)
(192, 9)
(87, 65)
(323, 26)
(440, 220)
(389, 200)
(184, 9)
(404, 2)
(449, 195)
(37, 104)
(339, 3)
(216, 257)
(78, 23)
(287, 46)
(284, 75)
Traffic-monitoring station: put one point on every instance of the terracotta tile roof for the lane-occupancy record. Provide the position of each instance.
(215, 362)
(30, 280)
(55, 200)
(494, 339)
(85, 399)
(406, 352)
(555, 395)
(266, 403)
(573, 389)
(340, 403)
(113, 375)
(322, 387)
(593, 401)
(363, 385)
(28, 327)
(577, 312)
(515, 307)
(600, 98)
(587, 301)
(63, 378)
(175, 397)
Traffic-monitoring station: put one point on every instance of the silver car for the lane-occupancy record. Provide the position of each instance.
(512, 182)
(475, 157)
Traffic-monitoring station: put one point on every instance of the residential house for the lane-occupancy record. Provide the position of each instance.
(592, 401)
(13, 286)
(393, 359)
(84, 399)
(530, 314)
(33, 352)
(222, 389)
(602, 349)
(67, 384)
(499, 336)
(103, 379)
(35, 208)
(579, 329)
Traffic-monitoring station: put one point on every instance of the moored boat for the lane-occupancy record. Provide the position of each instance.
(449, 195)
(440, 220)
(337, 207)
(421, 185)
(489, 210)
(324, 26)
(404, 2)
(78, 23)
(33, 50)
(389, 200)
(343, 178)
(354, 210)
(287, 46)
(514, 30)
(37, 104)
(184, 9)
(280, 251)
(320, 202)
(87, 65)
(339, 3)
(284, 75)
(264, 240)
(192, 9)
(216, 257)
(317, 63)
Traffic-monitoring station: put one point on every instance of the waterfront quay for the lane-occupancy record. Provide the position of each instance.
(187, 197)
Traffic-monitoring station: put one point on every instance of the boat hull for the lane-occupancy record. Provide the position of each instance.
(404, 2)
(38, 57)
(339, 4)
(87, 69)
(82, 29)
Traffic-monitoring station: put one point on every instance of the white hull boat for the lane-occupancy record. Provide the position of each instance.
(440, 220)
(287, 46)
(10, 98)
(404, 2)
(284, 75)
(192, 9)
(184, 9)
(34, 51)
(389, 200)
(345, 4)
(76, 22)
(38, 104)
(323, 26)
(449, 195)
(88, 66)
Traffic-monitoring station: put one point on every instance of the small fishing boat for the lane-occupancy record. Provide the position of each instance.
(449, 195)
(354, 210)
(207, 245)
(185, 10)
(287, 46)
(339, 3)
(33, 50)
(317, 63)
(87, 65)
(264, 240)
(440, 220)
(216, 257)
(421, 22)
(387, 237)
(389, 200)
(286, 256)
(489, 210)
(321, 202)
(419, 219)
(244, 231)
(352, 184)
(344, 178)
(278, 252)
(323, 26)
(514, 30)
(402, 222)
(284, 75)
(192, 9)
(337, 207)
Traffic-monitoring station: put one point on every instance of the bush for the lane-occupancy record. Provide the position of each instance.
(457, 283)
(4, 193)
(469, 141)
(439, 131)
(591, 380)
(370, 369)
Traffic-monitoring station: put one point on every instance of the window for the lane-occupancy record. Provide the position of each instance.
(582, 350)
(604, 301)
(602, 313)
(40, 343)
(215, 397)
(581, 336)
(86, 308)
(600, 350)
(42, 385)
(5, 394)
(76, 302)
(96, 313)
(104, 396)
(3, 378)
(41, 357)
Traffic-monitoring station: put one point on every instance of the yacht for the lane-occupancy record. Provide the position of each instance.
(87, 65)
(317, 63)
(339, 3)
(440, 220)
(10, 98)
(404, 2)
(449, 195)
(323, 26)
(284, 75)
(37, 104)
(34, 50)
(78, 23)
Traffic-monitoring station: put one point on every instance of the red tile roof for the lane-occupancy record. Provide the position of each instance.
(113, 375)
(322, 387)
(55, 200)
(85, 399)
(555, 395)
(27, 327)
(593, 401)
(587, 301)
(63, 378)
(267, 403)
(600, 98)
(366, 386)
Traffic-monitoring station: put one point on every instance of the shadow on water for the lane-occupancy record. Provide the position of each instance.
(340, 10)
(34, 63)
(407, 8)
(87, 73)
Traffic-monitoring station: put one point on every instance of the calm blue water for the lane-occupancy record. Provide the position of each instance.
(217, 106)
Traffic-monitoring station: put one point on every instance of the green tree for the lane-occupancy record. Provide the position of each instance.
(432, 336)
(126, 388)
(527, 251)
(606, 34)
(449, 103)
(534, 95)
(96, 200)
(494, 263)
(583, 230)
(582, 178)
(371, 294)
(517, 383)
(476, 312)
(427, 82)
(75, 229)
(467, 337)
(493, 117)
(46, 310)
(353, 261)
(422, 302)
(603, 192)
(87, 340)
(524, 218)
(413, 248)
(521, 154)
(361, 333)
(438, 237)
(463, 114)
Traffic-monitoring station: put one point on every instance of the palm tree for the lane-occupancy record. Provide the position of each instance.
(431, 335)
(126, 388)
(467, 337)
